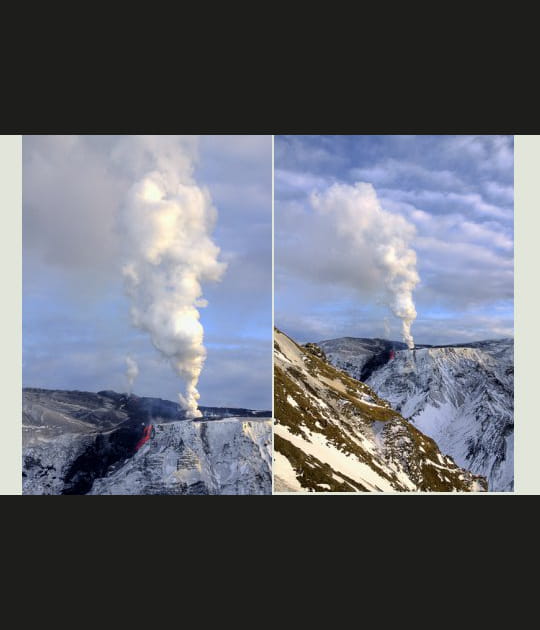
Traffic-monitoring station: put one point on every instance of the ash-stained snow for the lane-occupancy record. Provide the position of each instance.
(333, 433)
(354, 355)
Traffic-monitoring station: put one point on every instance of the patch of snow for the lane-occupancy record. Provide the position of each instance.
(292, 401)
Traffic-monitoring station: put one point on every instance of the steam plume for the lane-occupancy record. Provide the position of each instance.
(132, 371)
(381, 237)
(168, 220)
(386, 326)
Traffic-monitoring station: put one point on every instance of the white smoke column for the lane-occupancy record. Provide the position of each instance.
(386, 326)
(168, 221)
(381, 237)
(132, 371)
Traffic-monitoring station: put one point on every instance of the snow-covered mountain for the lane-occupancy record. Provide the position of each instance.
(333, 433)
(109, 443)
(228, 456)
(462, 396)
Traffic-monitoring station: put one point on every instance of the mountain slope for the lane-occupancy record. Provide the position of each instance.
(462, 397)
(86, 443)
(333, 433)
(229, 456)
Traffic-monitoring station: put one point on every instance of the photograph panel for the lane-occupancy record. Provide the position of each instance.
(147, 310)
(393, 346)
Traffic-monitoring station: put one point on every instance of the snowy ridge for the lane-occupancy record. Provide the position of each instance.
(333, 433)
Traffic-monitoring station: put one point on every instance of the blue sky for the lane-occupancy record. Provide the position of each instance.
(76, 324)
(456, 195)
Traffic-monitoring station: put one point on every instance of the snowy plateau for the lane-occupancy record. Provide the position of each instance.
(86, 443)
(333, 433)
